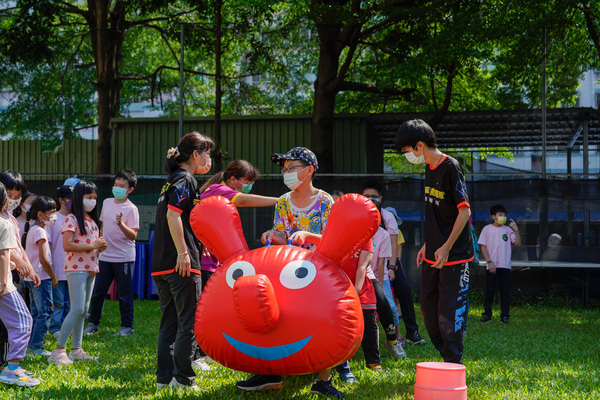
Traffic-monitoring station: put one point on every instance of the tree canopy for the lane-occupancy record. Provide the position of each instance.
(72, 64)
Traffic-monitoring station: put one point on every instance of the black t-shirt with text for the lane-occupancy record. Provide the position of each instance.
(445, 192)
(180, 194)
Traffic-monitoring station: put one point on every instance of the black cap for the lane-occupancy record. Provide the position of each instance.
(64, 191)
(297, 153)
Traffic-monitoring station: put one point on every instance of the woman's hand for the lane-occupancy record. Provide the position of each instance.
(184, 265)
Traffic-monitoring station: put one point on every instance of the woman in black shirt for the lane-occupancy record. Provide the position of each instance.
(176, 260)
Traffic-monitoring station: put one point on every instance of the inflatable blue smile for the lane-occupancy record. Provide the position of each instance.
(267, 353)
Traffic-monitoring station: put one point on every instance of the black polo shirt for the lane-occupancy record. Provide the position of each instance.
(180, 194)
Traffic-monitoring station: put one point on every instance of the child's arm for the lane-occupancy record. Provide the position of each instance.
(490, 265)
(514, 227)
(364, 260)
(4, 266)
(129, 233)
(46, 266)
(301, 237)
(70, 246)
(441, 254)
(254, 200)
(274, 236)
(380, 270)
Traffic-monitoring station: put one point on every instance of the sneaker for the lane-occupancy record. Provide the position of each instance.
(59, 357)
(375, 367)
(55, 335)
(326, 388)
(37, 352)
(201, 364)
(80, 355)
(348, 377)
(396, 350)
(18, 377)
(414, 338)
(260, 382)
(90, 329)
(164, 385)
(125, 331)
(504, 320)
(485, 318)
(176, 385)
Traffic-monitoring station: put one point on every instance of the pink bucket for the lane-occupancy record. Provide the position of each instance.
(440, 381)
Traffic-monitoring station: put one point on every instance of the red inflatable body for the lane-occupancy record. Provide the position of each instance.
(281, 310)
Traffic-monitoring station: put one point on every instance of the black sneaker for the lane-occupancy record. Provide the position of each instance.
(260, 382)
(414, 338)
(485, 318)
(325, 387)
(504, 320)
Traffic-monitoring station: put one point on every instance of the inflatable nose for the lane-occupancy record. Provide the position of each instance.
(255, 303)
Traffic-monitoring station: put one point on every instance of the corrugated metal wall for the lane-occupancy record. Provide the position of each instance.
(74, 156)
(141, 144)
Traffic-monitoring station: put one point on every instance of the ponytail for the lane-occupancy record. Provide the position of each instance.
(216, 178)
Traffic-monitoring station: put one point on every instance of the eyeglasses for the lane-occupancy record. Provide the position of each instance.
(291, 168)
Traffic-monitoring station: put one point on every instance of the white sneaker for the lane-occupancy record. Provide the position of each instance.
(59, 357)
(80, 355)
(396, 349)
(201, 364)
(176, 385)
(164, 385)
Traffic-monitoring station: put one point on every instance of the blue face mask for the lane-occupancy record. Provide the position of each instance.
(119, 192)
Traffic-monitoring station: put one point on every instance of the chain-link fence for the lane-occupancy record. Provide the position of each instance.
(569, 208)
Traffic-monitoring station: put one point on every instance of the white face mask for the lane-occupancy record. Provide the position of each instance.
(52, 220)
(291, 179)
(89, 204)
(202, 170)
(12, 204)
(410, 156)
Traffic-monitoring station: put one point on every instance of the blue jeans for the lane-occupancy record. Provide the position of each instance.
(387, 290)
(41, 310)
(122, 273)
(62, 305)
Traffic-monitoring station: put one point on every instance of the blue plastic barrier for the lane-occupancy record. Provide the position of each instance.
(150, 286)
(139, 271)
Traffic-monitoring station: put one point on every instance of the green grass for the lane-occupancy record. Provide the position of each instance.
(544, 353)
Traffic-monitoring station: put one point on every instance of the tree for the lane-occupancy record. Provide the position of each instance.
(47, 30)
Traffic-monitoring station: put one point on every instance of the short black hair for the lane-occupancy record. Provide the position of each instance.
(13, 180)
(497, 208)
(414, 131)
(3, 195)
(128, 175)
(373, 185)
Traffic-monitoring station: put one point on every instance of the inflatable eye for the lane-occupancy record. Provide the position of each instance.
(237, 270)
(298, 274)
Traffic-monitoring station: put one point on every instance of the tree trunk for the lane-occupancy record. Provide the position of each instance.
(107, 35)
(218, 152)
(326, 89)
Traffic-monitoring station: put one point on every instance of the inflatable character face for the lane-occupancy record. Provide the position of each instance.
(281, 310)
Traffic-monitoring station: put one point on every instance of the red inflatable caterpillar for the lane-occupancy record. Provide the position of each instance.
(281, 310)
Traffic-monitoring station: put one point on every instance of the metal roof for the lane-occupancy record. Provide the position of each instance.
(503, 128)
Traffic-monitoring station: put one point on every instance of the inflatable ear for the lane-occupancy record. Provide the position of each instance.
(216, 223)
(352, 221)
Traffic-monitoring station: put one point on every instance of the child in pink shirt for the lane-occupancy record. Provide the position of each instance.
(82, 243)
(120, 224)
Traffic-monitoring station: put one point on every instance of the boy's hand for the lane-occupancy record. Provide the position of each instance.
(54, 281)
(441, 257)
(420, 256)
(492, 268)
(299, 238)
(119, 218)
(35, 278)
(391, 274)
(513, 225)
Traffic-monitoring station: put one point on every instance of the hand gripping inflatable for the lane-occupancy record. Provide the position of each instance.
(281, 310)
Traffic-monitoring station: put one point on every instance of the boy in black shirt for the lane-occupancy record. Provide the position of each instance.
(448, 246)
